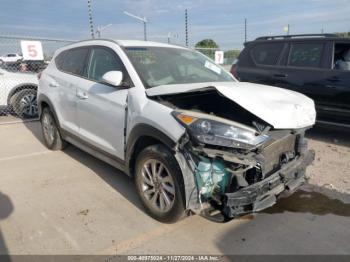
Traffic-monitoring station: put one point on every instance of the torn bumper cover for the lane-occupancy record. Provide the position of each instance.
(264, 194)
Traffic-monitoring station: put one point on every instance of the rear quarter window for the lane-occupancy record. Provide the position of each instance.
(267, 54)
(72, 61)
(305, 54)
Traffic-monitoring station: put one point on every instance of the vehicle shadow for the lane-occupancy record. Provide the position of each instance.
(122, 183)
(330, 134)
(6, 208)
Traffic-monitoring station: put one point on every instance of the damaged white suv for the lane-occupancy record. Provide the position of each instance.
(194, 138)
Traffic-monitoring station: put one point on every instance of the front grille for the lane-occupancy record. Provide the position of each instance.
(273, 151)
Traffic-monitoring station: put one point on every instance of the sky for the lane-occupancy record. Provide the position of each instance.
(221, 20)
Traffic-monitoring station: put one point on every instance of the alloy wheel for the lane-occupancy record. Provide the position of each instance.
(28, 105)
(158, 186)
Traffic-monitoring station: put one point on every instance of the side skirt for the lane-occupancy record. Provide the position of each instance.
(96, 152)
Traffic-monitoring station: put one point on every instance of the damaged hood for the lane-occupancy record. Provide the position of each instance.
(281, 108)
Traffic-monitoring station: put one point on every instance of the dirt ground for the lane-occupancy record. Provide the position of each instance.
(331, 168)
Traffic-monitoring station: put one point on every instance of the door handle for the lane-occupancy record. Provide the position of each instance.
(82, 95)
(53, 85)
(280, 75)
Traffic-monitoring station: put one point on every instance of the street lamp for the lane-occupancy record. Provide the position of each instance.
(142, 19)
(101, 28)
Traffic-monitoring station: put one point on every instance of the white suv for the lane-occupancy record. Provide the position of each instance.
(18, 93)
(193, 137)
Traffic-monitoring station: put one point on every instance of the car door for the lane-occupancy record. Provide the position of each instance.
(63, 86)
(308, 71)
(336, 105)
(261, 63)
(101, 107)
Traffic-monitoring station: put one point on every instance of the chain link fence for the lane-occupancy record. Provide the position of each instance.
(18, 76)
(229, 56)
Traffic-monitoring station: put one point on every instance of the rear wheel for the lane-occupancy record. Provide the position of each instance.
(24, 103)
(51, 133)
(159, 185)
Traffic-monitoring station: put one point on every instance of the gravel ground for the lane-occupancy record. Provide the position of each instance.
(331, 168)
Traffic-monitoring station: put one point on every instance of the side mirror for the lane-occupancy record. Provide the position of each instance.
(113, 78)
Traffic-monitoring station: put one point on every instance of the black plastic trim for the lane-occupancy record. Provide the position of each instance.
(141, 130)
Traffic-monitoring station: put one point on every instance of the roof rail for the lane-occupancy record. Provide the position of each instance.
(295, 36)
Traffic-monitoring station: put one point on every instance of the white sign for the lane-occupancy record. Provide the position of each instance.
(219, 57)
(32, 50)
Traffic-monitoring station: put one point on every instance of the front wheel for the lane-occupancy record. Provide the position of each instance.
(159, 184)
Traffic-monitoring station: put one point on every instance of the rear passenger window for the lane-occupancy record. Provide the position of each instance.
(306, 55)
(59, 60)
(102, 61)
(72, 61)
(267, 54)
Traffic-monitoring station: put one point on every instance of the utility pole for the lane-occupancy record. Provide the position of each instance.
(142, 19)
(286, 29)
(90, 20)
(186, 27)
(245, 30)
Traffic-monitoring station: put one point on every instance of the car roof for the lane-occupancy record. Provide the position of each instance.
(134, 43)
(122, 43)
(298, 38)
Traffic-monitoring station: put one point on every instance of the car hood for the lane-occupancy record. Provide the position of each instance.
(281, 108)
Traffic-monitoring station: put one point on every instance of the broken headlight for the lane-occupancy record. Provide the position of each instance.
(218, 133)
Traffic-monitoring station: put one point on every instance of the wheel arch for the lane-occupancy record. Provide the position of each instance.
(20, 87)
(142, 136)
(44, 101)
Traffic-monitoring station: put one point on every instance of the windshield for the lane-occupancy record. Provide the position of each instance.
(166, 66)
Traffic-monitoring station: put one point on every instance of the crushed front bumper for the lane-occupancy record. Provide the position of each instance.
(264, 194)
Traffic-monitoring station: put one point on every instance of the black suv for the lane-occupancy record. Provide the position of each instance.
(315, 65)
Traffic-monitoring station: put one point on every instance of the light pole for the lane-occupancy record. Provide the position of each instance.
(100, 29)
(142, 19)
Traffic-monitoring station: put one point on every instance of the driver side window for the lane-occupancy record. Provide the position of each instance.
(102, 61)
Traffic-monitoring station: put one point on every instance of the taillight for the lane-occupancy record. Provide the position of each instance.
(234, 70)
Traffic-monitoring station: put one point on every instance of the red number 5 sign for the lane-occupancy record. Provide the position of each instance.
(32, 50)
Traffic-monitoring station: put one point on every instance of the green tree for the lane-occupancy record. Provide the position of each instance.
(207, 43)
(232, 53)
(207, 47)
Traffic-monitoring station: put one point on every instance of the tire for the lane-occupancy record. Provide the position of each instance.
(24, 103)
(52, 136)
(167, 185)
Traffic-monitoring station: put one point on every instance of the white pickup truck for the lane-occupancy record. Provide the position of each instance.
(10, 58)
